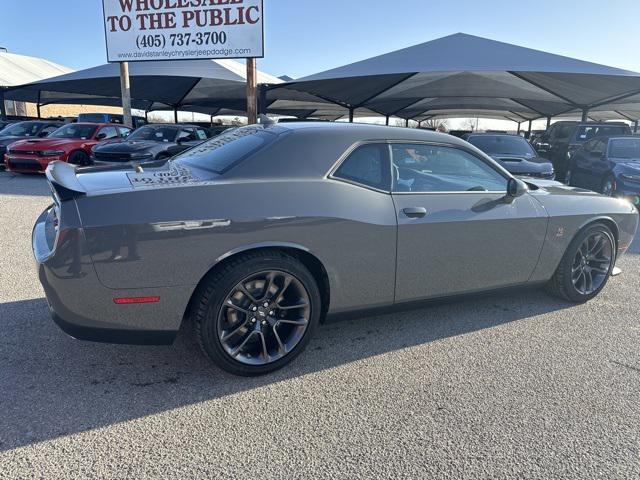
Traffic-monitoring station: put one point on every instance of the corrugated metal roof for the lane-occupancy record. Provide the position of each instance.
(19, 69)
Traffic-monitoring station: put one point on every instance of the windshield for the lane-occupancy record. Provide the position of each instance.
(502, 145)
(586, 133)
(23, 129)
(628, 148)
(75, 130)
(156, 133)
(221, 153)
(93, 117)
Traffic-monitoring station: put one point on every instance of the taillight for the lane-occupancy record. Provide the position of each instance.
(133, 300)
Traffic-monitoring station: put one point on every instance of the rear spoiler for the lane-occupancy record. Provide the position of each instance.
(63, 180)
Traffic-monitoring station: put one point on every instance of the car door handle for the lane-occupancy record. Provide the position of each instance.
(415, 212)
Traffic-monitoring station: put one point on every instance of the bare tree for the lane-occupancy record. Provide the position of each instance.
(435, 124)
(469, 124)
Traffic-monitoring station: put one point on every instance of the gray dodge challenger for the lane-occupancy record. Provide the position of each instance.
(258, 235)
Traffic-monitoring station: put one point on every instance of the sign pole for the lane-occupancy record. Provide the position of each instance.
(252, 94)
(125, 89)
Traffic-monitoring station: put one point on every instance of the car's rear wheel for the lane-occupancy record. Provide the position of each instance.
(586, 266)
(257, 313)
(79, 158)
(608, 186)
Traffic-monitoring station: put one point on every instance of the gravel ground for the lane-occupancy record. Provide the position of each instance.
(511, 385)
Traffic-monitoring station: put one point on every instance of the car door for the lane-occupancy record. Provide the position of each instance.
(457, 232)
(590, 164)
(579, 165)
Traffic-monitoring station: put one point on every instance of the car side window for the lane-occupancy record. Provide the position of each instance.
(107, 133)
(124, 131)
(564, 132)
(424, 168)
(201, 134)
(186, 135)
(367, 165)
(49, 129)
(599, 147)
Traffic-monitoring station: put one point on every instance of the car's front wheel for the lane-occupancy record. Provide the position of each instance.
(586, 266)
(79, 158)
(257, 313)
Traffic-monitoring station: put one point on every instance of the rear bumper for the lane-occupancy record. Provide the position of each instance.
(85, 309)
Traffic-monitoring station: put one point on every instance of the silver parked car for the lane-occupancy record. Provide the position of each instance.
(257, 235)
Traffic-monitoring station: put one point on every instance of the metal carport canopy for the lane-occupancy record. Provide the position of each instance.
(469, 74)
(168, 83)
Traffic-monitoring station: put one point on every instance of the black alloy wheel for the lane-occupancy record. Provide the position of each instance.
(586, 266)
(79, 158)
(264, 317)
(257, 313)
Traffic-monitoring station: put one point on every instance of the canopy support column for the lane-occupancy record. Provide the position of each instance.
(262, 99)
(406, 123)
(518, 130)
(3, 108)
(252, 97)
(175, 115)
(387, 120)
(585, 115)
(38, 105)
(548, 122)
(635, 126)
(529, 130)
(146, 116)
(125, 91)
(351, 110)
(420, 124)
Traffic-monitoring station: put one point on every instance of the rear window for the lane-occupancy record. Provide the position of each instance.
(92, 117)
(627, 148)
(502, 145)
(587, 132)
(223, 152)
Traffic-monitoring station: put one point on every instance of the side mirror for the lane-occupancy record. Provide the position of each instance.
(515, 188)
(101, 136)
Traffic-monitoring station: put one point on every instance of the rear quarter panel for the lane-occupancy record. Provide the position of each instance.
(166, 237)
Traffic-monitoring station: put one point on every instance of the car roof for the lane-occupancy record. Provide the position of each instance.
(489, 134)
(321, 144)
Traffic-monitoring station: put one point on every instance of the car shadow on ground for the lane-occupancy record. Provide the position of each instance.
(34, 185)
(53, 385)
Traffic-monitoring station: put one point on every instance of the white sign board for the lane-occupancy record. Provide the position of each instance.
(143, 30)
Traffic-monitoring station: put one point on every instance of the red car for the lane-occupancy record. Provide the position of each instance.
(71, 143)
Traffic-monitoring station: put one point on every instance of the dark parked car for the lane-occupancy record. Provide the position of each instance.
(514, 153)
(609, 165)
(562, 138)
(5, 123)
(258, 234)
(110, 118)
(151, 142)
(24, 131)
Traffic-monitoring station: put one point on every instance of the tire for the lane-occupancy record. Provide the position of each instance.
(608, 186)
(211, 313)
(562, 283)
(79, 158)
